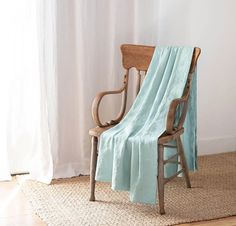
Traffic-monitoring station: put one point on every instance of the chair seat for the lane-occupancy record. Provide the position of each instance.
(165, 138)
(97, 131)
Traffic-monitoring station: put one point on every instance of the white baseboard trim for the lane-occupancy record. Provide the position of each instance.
(216, 145)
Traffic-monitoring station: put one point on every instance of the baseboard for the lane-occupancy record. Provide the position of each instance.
(216, 145)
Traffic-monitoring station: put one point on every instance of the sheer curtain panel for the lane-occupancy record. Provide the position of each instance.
(70, 52)
(19, 86)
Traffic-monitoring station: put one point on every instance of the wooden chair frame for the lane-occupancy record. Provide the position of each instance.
(139, 57)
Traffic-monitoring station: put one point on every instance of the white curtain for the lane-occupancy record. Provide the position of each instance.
(19, 90)
(73, 54)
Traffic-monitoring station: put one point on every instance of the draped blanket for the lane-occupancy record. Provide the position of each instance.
(128, 152)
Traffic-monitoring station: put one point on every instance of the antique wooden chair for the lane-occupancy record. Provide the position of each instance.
(139, 57)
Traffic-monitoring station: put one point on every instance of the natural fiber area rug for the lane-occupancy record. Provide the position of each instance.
(65, 201)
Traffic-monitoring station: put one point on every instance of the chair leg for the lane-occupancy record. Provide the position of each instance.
(93, 165)
(161, 178)
(183, 161)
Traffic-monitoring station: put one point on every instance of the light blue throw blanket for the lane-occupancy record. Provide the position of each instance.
(128, 152)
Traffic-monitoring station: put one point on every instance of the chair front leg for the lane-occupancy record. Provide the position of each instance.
(160, 177)
(93, 165)
(183, 161)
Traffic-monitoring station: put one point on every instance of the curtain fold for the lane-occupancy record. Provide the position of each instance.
(76, 55)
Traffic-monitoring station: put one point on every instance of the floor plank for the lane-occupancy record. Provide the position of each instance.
(26, 220)
(228, 221)
(15, 210)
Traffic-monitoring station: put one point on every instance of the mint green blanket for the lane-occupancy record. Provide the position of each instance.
(128, 152)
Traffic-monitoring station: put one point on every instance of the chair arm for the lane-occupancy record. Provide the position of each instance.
(96, 104)
(170, 127)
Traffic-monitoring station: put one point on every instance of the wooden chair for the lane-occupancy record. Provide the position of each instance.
(139, 57)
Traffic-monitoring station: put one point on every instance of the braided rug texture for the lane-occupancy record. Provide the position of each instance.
(213, 195)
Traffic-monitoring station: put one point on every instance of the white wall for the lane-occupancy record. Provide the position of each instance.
(211, 25)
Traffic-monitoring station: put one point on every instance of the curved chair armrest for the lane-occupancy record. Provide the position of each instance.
(96, 104)
(170, 127)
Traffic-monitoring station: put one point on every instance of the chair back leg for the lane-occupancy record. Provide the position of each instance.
(161, 163)
(93, 165)
(160, 178)
(183, 163)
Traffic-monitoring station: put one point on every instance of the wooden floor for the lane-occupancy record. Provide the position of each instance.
(15, 210)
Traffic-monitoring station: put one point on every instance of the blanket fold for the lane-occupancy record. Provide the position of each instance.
(128, 152)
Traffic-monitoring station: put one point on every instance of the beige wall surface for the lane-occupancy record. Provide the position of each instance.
(209, 24)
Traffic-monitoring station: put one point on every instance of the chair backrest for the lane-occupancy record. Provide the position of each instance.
(139, 57)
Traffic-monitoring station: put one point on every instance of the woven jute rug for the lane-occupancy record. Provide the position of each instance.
(213, 195)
